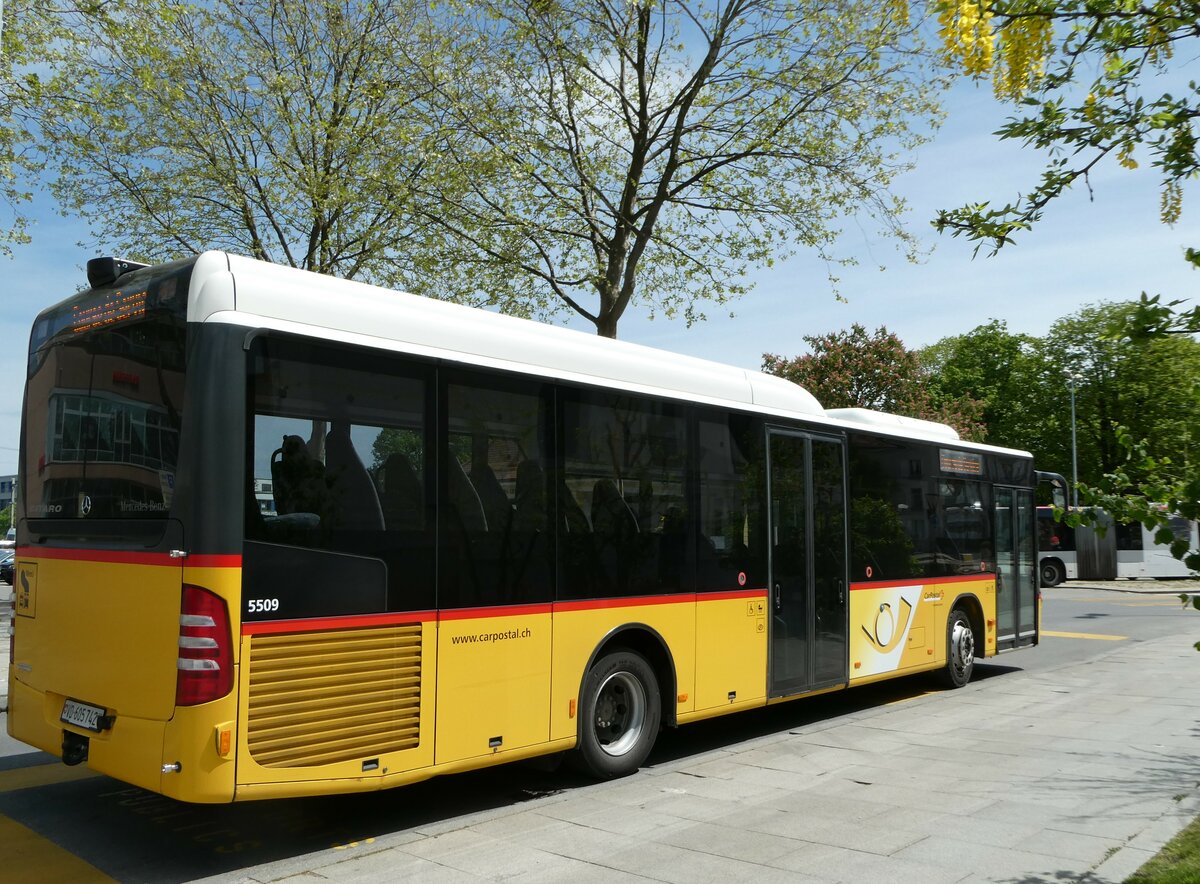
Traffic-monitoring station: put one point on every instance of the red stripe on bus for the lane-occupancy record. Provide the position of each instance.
(214, 561)
(924, 581)
(319, 624)
(497, 611)
(324, 624)
(105, 556)
(731, 594)
(634, 602)
(124, 557)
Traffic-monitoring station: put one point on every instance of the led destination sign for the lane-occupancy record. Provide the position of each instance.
(960, 463)
(117, 307)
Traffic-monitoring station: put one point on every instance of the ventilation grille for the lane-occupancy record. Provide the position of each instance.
(323, 697)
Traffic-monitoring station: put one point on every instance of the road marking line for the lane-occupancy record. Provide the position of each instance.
(1174, 604)
(42, 775)
(1094, 635)
(31, 859)
(1124, 600)
(910, 699)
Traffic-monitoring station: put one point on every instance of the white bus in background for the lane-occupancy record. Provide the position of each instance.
(1126, 550)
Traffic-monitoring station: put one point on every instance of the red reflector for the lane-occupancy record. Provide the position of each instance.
(205, 665)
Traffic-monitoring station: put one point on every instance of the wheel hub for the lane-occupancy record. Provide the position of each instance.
(963, 647)
(620, 713)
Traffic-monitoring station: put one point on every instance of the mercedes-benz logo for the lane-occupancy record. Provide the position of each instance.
(85, 504)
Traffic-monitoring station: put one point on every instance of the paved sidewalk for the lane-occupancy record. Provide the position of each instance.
(1080, 773)
(1142, 587)
(1076, 774)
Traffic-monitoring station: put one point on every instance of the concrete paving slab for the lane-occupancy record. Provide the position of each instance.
(1090, 849)
(578, 872)
(1121, 865)
(476, 854)
(389, 866)
(725, 838)
(817, 803)
(665, 862)
(611, 818)
(901, 799)
(1001, 864)
(971, 829)
(881, 836)
(855, 867)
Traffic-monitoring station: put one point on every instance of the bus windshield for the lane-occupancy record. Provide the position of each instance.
(104, 400)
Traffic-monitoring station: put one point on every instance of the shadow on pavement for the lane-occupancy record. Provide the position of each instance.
(134, 835)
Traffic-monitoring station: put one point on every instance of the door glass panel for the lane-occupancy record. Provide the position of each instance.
(1026, 570)
(1006, 570)
(808, 563)
(789, 565)
(829, 561)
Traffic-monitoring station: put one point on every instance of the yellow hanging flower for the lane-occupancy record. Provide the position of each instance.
(1025, 46)
(966, 33)
(1159, 49)
(1171, 203)
(1125, 156)
(897, 10)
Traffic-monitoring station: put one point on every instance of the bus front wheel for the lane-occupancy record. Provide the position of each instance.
(960, 650)
(619, 714)
(1051, 573)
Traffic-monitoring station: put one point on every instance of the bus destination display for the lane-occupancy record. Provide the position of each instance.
(118, 307)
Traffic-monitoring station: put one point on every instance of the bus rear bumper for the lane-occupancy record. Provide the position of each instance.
(131, 751)
(26, 721)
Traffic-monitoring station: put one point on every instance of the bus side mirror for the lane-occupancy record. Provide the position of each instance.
(1058, 488)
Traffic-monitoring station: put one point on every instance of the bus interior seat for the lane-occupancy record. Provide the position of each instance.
(611, 515)
(402, 498)
(356, 502)
(573, 518)
(298, 479)
(465, 499)
(645, 504)
(529, 511)
(496, 506)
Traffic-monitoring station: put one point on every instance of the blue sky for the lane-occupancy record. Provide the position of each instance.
(1108, 248)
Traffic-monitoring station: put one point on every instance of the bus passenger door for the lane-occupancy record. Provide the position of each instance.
(807, 491)
(1016, 568)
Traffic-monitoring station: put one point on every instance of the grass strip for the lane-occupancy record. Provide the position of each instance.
(1177, 863)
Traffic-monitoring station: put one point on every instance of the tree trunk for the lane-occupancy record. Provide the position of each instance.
(606, 324)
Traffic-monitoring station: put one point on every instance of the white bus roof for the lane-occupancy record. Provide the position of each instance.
(232, 289)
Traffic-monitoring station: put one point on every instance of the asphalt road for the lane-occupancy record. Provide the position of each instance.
(66, 824)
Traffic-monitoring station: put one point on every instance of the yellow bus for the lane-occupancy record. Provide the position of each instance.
(280, 534)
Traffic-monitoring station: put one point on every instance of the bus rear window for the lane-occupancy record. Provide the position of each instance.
(104, 400)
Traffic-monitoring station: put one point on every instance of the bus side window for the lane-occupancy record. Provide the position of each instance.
(493, 542)
(623, 470)
(889, 537)
(731, 546)
(339, 438)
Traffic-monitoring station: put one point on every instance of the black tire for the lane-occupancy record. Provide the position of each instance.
(1051, 573)
(960, 650)
(619, 714)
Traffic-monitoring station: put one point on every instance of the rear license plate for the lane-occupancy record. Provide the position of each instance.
(82, 715)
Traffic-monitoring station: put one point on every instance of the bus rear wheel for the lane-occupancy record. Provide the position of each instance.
(619, 715)
(1051, 573)
(960, 650)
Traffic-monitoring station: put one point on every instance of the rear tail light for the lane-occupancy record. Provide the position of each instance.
(12, 630)
(205, 666)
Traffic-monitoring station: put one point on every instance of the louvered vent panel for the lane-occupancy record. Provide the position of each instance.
(321, 697)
